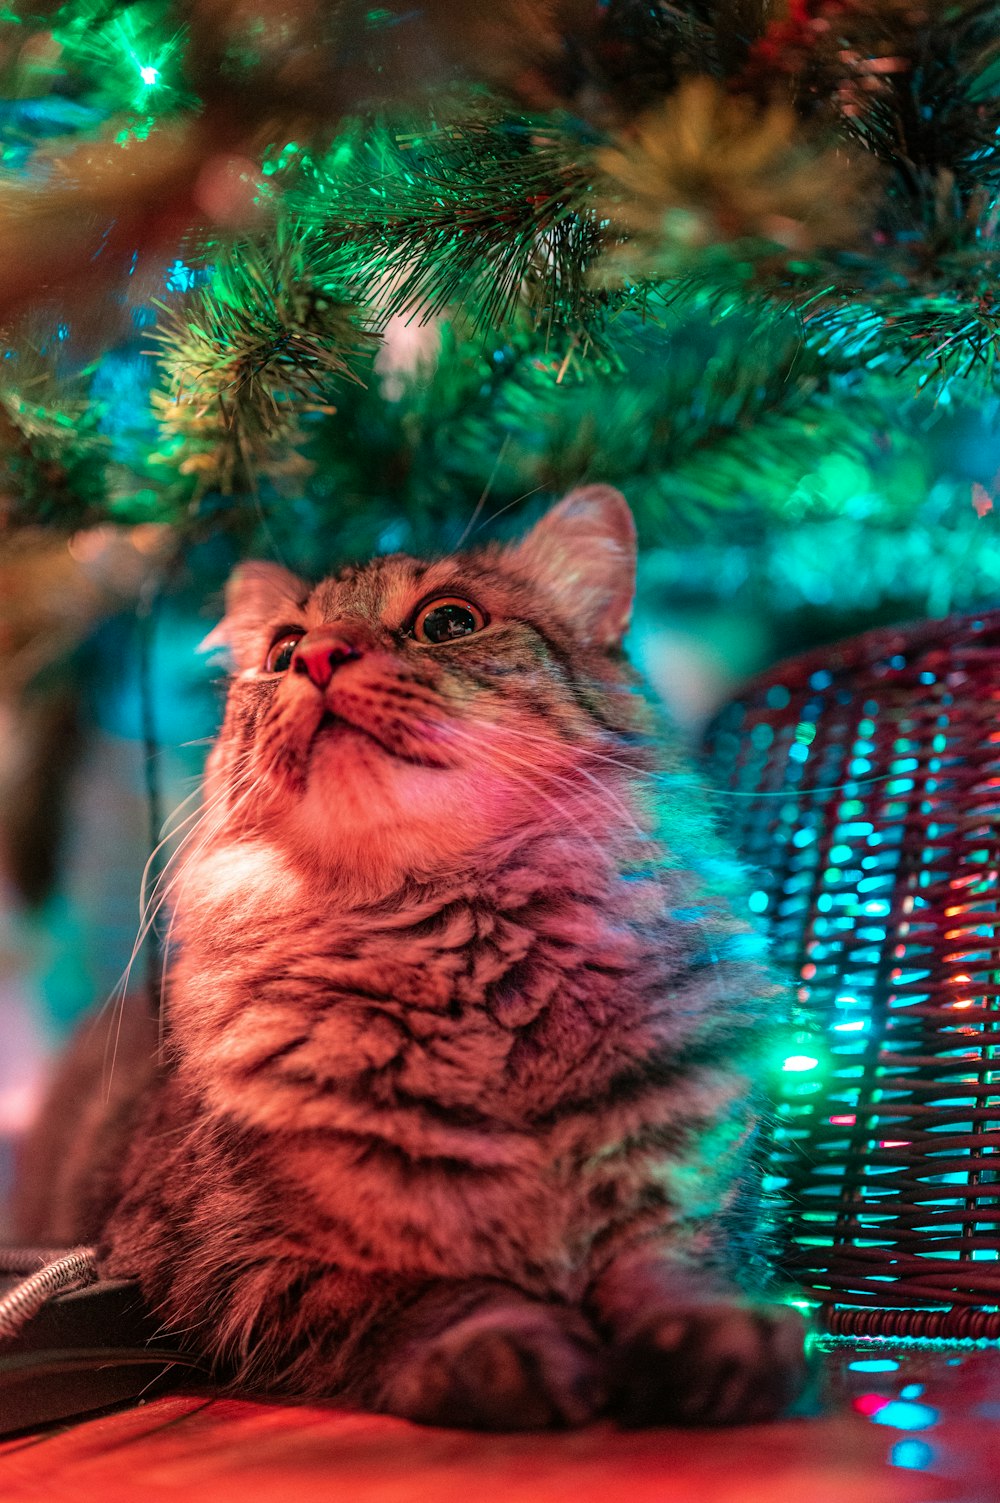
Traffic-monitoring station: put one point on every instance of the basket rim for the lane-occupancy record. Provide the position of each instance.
(845, 656)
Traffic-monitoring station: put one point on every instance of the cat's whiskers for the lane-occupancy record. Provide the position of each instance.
(644, 774)
(528, 776)
(167, 826)
(566, 816)
(147, 914)
(196, 819)
(386, 698)
(605, 794)
(175, 889)
(685, 782)
(145, 895)
(152, 905)
(510, 769)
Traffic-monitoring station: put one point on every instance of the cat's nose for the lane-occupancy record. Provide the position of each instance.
(320, 654)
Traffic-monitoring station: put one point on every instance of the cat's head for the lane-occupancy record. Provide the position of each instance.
(402, 712)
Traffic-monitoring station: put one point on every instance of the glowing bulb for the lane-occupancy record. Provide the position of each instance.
(800, 1062)
(149, 76)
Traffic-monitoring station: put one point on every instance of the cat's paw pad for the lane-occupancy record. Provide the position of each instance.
(503, 1370)
(717, 1362)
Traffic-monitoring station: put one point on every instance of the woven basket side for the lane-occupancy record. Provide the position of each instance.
(865, 791)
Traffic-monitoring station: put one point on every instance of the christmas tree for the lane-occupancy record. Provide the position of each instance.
(337, 270)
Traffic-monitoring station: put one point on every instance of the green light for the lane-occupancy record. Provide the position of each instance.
(800, 1062)
(149, 75)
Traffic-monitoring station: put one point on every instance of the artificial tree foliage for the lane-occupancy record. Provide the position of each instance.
(321, 277)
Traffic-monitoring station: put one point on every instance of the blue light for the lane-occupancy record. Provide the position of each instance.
(874, 1365)
(900, 1414)
(914, 1455)
(911, 1391)
(180, 278)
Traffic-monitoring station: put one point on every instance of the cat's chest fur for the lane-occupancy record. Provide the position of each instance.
(504, 993)
(461, 1080)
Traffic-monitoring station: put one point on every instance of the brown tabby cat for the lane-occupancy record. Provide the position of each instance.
(462, 1027)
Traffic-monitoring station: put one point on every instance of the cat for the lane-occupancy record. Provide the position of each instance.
(464, 1020)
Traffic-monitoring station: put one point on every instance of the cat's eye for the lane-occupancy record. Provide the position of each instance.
(279, 656)
(446, 620)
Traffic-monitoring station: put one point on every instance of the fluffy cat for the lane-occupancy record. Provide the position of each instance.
(463, 1023)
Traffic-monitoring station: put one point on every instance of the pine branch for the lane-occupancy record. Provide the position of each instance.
(53, 459)
(263, 346)
(489, 215)
(712, 428)
(943, 340)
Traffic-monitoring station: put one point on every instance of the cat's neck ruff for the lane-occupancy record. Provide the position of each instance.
(233, 880)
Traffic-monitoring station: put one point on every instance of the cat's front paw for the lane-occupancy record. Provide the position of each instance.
(723, 1361)
(518, 1368)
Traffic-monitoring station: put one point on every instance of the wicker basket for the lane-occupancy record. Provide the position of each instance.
(864, 788)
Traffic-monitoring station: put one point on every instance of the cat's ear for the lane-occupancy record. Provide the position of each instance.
(582, 553)
(257, 593)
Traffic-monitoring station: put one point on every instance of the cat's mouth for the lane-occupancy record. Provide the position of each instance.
(331, 725)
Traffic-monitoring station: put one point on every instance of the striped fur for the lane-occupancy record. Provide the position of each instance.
(463, 1026)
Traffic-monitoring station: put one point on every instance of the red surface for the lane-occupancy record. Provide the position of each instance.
(944, 1443)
